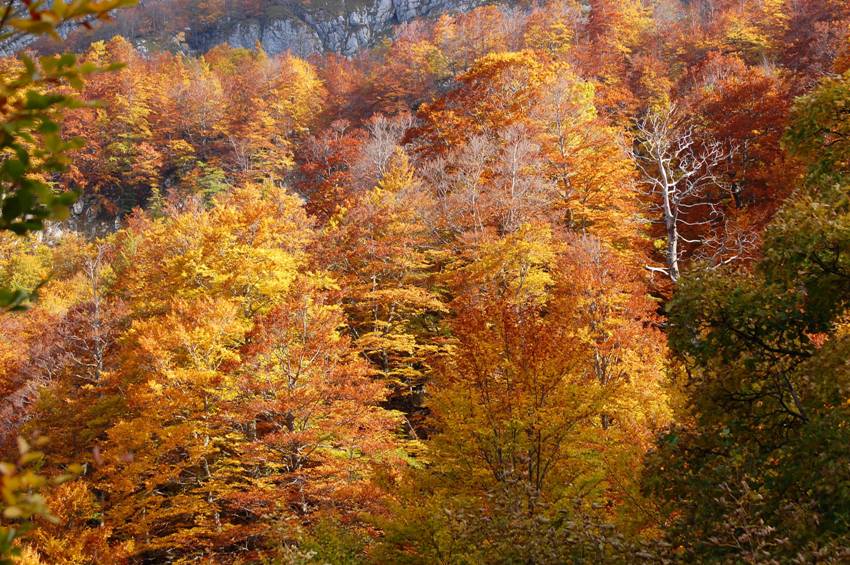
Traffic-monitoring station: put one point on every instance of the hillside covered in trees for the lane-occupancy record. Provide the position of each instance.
(562, 282)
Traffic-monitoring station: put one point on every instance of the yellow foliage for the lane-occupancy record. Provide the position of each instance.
(248, 249)
(517, 267)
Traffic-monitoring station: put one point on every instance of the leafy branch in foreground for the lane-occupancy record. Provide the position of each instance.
(21, 502)
(34, 94)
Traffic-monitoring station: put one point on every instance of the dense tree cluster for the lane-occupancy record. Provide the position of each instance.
(533, 284)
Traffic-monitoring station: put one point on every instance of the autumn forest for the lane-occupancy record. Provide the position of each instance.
(529, 283)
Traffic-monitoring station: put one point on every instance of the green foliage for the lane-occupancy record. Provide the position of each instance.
(820, 133)
(33, 96)
(502, 530)
(769, 385)
(331, 541)
(31, 140)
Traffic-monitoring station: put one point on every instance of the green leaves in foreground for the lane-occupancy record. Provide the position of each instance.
(31, 143)
(34, 94)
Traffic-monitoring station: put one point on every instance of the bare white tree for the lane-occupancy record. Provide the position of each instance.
(385, 137)
(76, 346)
(86, 344)
(521, 191)
(495, 181)
(679, 171)
(459, 184)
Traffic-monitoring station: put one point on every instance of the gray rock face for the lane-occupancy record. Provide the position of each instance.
(305, 30)
(277, 36)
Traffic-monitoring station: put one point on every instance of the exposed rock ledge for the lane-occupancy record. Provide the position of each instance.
(305, 30)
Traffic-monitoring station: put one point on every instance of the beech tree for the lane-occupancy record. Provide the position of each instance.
(680, 171)
(550, 373)
(382, 251)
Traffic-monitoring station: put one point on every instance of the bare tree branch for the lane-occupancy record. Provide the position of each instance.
(679, 170)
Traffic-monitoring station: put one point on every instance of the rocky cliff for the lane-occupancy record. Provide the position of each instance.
(304, 29)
